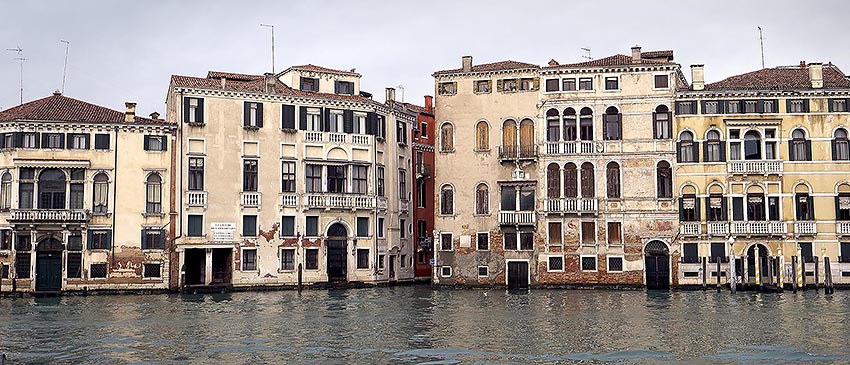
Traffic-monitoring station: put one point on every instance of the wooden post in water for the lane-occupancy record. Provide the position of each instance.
(770, 270)
(817, 282)
(704, 273)
(781, 269)
(745, 281)
(758, 269)
(299, 276)
(718, 273)
(827, 277)
(794, 270)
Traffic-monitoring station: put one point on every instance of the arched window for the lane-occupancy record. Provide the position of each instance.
(840, 151)
(553, 181)
(588, 188)
(526, 138)
(447, 200)
(661, 122)
(664, 180)
(570, 180)
(716, 204)
(509, 142)
(800, 149)
(612, 172)
(153, 194)
(842, 203)
(482, 199)
(447, 138)
(51, 189)
(553, 125)
(586, 124)
(687, 148)
(689, 209)
(100, 192)
(482, 136)
(570, 131)
(713, 147)
(613, 124)
(803, 203)
(6, 191)
(752, 146)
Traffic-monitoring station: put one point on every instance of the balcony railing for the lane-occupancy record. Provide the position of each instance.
(196, 198)
(690, 260)
(312, 136)
(805, 228)
(518, 152)
(759, 228)
(755, 167)
(423, 170)
(690, 229)
(572, 205)
(337, 137)
(49, 216)
(288, 200)
(517, 218)
(718, 228)
(360, 139)
(572, 147)
(250, 199)
(842, 228)
(339, 201)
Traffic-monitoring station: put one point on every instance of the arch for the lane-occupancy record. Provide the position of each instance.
(586, 124)
(553, 181)
(716, 188)
(447, 204)
(656, 248)
(612, 173)
(662, 108)
(657, 264)
(662, 122)
(337, 230)
(796, 132)
(482, 198)
(337, 252)
(570, 180)
(553, 125)
(570, 127)
(842, 187)
(482, 135)
(447, 137)
(613, 124)
(712, 134)
(526, 136)
(802, 186)
(686, 135)
(588, 184)
(100, 193)
(755, 188)
(840, 132)
(689, 188)
(752, 145)
(51, 189)
(337, 153)
(664, 180)
(750, 251)
(509, 135)
(49, 244)
(840, 145)
(153, 193)
(6, 191)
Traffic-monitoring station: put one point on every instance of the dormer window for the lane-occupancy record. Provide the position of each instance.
(309, 84)
(344, 87)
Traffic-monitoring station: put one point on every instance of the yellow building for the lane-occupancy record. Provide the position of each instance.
(85, 202)
(763, 165)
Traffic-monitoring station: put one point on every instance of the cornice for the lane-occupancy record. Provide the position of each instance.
(293, 99)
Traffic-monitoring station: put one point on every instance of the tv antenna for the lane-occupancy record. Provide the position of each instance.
(65, 65)
(20, 59)
(272, 27)
(587, 56)
(761, 42)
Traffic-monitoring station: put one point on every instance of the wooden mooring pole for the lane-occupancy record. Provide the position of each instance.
(827, 277)
(817, 282)
(718, 273)
(704, 274)
(796, 271)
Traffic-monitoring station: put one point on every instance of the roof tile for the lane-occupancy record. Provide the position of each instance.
(781, 78)
(495, 66)
(60, 108)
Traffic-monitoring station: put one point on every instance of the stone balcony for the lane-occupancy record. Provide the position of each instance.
(755, 167)
(337, 138)
(50, 216)
(842, 228)
(690, 229)
(805, 228)
(251, 199)
(572, 205)
(517, 218)
(288, 200)
(758, 228)
(518, 153)
(717, 229)
(196, 198)
(338, 201)
(573, 147)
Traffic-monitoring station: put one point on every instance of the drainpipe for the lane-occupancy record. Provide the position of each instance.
(375, 164)
(115, 197)
(179, 172)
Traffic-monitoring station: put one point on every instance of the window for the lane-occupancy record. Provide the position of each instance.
(29, 140)
(101, 141)
(447, 135)
(193, 111)
(803, 205)
(615, 233)
(751, 106)
(287, 259)
(838, 105)
(509, 239)
(155, 143)
(552, 85)
(446, 271)
(23, 258)
(196, 173)
(402, 228)
(287, 226)
(402, 184)
(568, 85)
(380, 227)
(402, 261)
(153, 239)
(25, 188)
(75, 265)
(716, 208)
(483, 271)
(8, 140)
(381, 261)
(100, 203)
(249, 259)
(380, 184)
(5, 239)
(555, 263)
(842, 206)
(840, 151)
(6, 192)
(713, 147)
(555, 235)
(313, 178)
(689, 208)
(615, 264)
(755, 207)
(336, 178)
(249, 226)
(482, 241)
(613, 124)
(151, 270)
(447, 88)
(527, 84)
(509, 85)
(314, 120)
(422, 228)
(79, 141)
(553, 125)
(51, 189)
(800, 149)
(683, 107)
(482, 136)
(153, 194)
(752, 146)
(287, 171)
(362, 226)
(401, 132)
(588, 233)
(360, 124)
(570, 128)
(195, 225)
(359, 176)
(612, 171)
(421, 193)
(344, 87)
(588, 263)
(769, 106)
(690, 253)
(664, 180)
(99, 239)
(53, 140)
(311, 259)
(482, 86)
(446, 241)
(447, 200)
(718, 252)
(553, 181)
(612, 83)
(733, 106)
(482, 199)
(98, 271)
(570, 180)
(362, 258)
(309, 84)
(662, 122)
(711, 107)
(662, 81)
(797, 106)
(585, 84)
(249, 175)
(423, 130)
(311, 226)
(586, 124)
(588, 188)
(687, 150)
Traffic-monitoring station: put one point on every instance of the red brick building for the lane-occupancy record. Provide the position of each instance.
(423, 197)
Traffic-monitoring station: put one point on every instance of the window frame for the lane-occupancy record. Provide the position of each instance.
(549, 263)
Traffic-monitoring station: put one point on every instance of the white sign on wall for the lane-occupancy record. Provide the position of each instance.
(223, 232)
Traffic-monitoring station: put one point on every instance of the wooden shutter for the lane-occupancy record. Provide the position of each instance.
(288, 116)
(302, 118)
(371, 123)
(829, 103)
(326, 117)
(696, 152)
(812, 210)
(806, 105)
(620, 125)
(681, 209)
(161, 239)
(722, 151)
(760, 106)
(147, 143)
(260, 115)
(499, 85)
(808, 150)
(18, 138)
(705, 152)
(199, 113)
(837, 208)
(90, 233)
(3, 140)
(44, 138)
(69, 139)
(108, 238)
(165, 141)
(246, 114)
(536, 84)
(144, 238)
(697, 211)
(791, 150)
(347, 121)
(721, 106)
(678, 151)
(677, 107)
(702, 107)
(185, 110)
(336, 87)
(654, 126)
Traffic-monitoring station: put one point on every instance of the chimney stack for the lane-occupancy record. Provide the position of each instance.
(130, 112)
(390, 96)
(155, 116)
(467, 63)
(223, 82)
(429, 104)
(816, 75)
(636, 54)
(697, 77)
(270, 82)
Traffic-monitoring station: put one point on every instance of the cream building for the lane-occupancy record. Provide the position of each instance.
(763, 166)
(85, 198)
(297, 177)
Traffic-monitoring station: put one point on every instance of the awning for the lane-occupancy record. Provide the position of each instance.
(20, 162)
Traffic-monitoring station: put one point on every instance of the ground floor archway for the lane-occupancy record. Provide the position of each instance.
(657, 265)
(48, 265)
(337, 259)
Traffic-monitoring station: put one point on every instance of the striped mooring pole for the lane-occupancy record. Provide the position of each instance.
(800, 264)
(757, 269)
(781, 268)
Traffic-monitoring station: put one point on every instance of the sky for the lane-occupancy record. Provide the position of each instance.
(126, 50)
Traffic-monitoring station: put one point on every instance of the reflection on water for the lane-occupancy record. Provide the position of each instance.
(415, 325)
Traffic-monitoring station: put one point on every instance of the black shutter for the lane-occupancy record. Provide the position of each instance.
(61, 142)
(371, 123)
(69, 140)
(3, 140)
(348, 121)
(302, 118)
(246, 113)
(696, 152)
(336, 87)
(288, 116)
(678, 151)
(326, 117)
(812, 210)
(705, 152)
(702, 107)
(681, 210)
(806, 105)
(837, 208)
(787, 105)
(199, 113)
(185, 110)
(675, 107)
(760, 106)
(808, 150)
(108, 239)
(829, 103)
(697, 211)
(742, 107)
(654, 118)
(90, 238)
(143, 238)
(18, 139)
(161, 241)
(620, 125)
(738, 208)
(165, 141)
(722, 151)
(260, 115)
(44, 139)
(791, 151)
(147, 143)
(724, 211)
(834, 150)
(721, 107)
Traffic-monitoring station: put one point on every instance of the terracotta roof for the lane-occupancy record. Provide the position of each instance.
(781, 78)
(615, 60)
(495, 66)
(658, 54)
(414, 107)
(315, 68)
(60, 108)
(233, 76)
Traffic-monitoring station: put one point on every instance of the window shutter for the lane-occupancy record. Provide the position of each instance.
(654, 127)
(161, 240)
(147, 143)
(185, 110)
(336, 87)
(326, 116)
(678, 151)
(808, 150)
(721, 107)
(500, 84)
(347, 121)
(62, 143)
(834, 150)
(288, 116)
(108, 239)
(724, 209)
(705, 152)
(144, 236)
(829, 103)
(722, 151)
(18, 138)
(837, 208)
(702, 107)
(620, 125)
(371, 123)
(536, 83)
(199, 114)
(246, 111)
(681, 210)
(90, 235)
(676, 107)
(69, 139)
(760, 106)
(698, 212)
(43, 139)
(806, 105)
(696, 152)
(260, 115)
(165, 141)
(302, 118)
(812, 210)
(787, 105)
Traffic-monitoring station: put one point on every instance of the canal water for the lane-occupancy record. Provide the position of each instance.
(417, 325)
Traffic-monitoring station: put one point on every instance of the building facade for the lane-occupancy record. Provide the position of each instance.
(320, 186)
(423, 196)
(763, 171)
(85, 198)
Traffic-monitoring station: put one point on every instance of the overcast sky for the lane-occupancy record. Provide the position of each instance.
(126, 50)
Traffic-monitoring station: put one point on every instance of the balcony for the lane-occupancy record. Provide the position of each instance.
(573, 147)
(755, 167)
(361, 139)
(716, 229)
(759, 228)
(338, 201)
(572, 205)
(50, 216)
(805, 228)
(313, 136)
(288, 200)
(195, 198)
(517, 153)
(842, 228)
(250, 199)
(338, 138)
(423, 170)
(518, 218)
(690, 229)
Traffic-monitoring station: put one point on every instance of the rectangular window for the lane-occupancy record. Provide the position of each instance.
(25, 195)
(100, 240)
(526, 84)
(79, 141)
(311, 259)
(313, 178)
(423, 131)
(711, 107)
(446, 241)
(401, 132)
(336, 123)
(194, 113)
(445, 271)
(29, 140)
(568, 85)
(612, 83)
(249, 259)
(509, 238)
(588, 263)
(806, 251)
(555, 234)
(552, 85)
(615, 264)
(196, 173)
(380, 227)
(360, 124)
(482, 86)
(733, 106)
(795, 106)
(483, 271)
(402, 184)
(344, 87)
(718, 252)
(314, 121)
(75, 265)
(686, 107)
(287, 259)
(380, 185)
(5, 239)
(249, 175)
(690, 253)
(53, 140)
(769, 106)
(98, 271)
(509, 85)
(362, 258)
(839, 105)
(447, 88)
(716, 207)
(155, 143)
(555, 263)
(402, 261)
(421, 193)
(336, 178)
(381, 261)
(662, 81)
(101, 141)
(585, 84)
(588, 233)
(151, 270)
(287, 226)
(750, 106)
(287, 180)
(76, 196)
(362, 226)
(249, 226)
(153, 239)
(311, 228)
(309, 84)
(195, 225)
(402, 228)
(526, 241)
(482, 240)
(615, 233)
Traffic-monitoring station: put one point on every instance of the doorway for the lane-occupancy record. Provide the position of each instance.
(194, 266)
(222, 266)
(751, 261)
(48, 265)
(657, 265)
(392, 267)
(337, 249)
(517, 274)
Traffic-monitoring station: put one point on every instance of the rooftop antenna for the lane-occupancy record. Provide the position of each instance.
(65, 65)
(401, 87)
(587, 56)
(272, 27)
(21, 59)
(761, 42)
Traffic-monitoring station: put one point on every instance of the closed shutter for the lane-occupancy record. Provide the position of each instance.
(3, 140)
(677, 107)
(62, 143)
(69, 139)
(246, 114)
(90, 235)
(165, 141)
(326, 117)
(705, 152)
(808, 150)
(287, 113)
(829, 103)
(702, 107)
(371, 123)
(681, 210)
(536, 83)
(760, 106)
(791, 155)
(806, 105)
(44, 138)
(143, 239)
(742, 106)
(837, 208)
(620, 125)
(199, 113)
(721, 107)
(161, 241)
(834, 150)
(108, 239)
(302, 118)
(336, 87)
(260, 115)
(679, 152)
(654, 126)
(724, 208)
(18, 139)
(738, 208)
(348, 121)
(722, 151)
(812, 207)
(185, 110)
(696, 152)
(697, 211)
(499, 85)
(147, 143)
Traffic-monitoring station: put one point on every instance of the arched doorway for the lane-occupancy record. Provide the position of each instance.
(657, 265)
(48, 265)
(51, 189)
(751, 261)
(337, 244)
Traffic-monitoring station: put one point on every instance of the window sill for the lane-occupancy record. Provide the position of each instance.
(251, 271)
(97, 250)
(153, 250)
(481, 92)
(447, 94)
(482, 215)
(251, 128)
(447, 151)
(196, 124)
(159, 278)
(547, 270)
(362, 269)
(286, 271)
(153, 215)
(289, 130)
(486, 150)
(288, 237)
(612, 90)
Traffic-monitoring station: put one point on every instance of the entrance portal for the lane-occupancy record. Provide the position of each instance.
(657, 265)
(751, 261)
(517, 275)
(221, 266)
(194, 262)
(337, 253)
(48, 265)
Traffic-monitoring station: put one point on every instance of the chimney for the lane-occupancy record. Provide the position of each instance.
(155, 116)
(467, 63)
(816, 75)
(553, 63)
(390, 96)
(697, 77)
(429, 104)
(802, 64)
(223, 82)
(130, 113)
(270, 82)
(636, 54)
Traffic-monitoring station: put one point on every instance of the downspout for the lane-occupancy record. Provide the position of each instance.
(115, 197)
(375, 163)
(179, 175)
